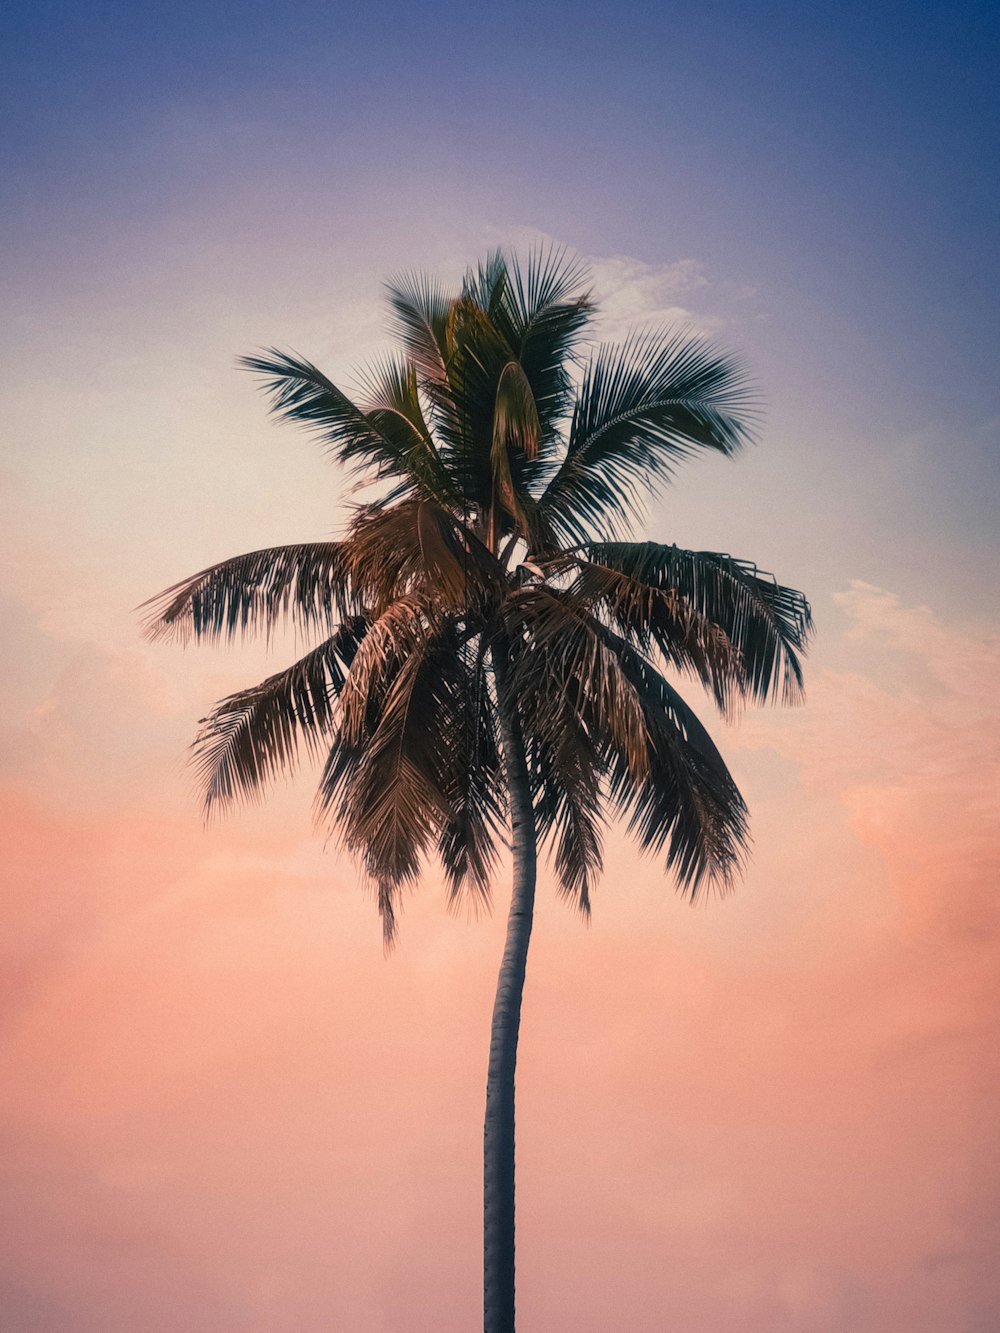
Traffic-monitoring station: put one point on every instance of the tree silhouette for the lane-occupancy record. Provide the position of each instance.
(492, 652)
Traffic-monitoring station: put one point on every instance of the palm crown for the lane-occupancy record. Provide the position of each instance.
(490, 579)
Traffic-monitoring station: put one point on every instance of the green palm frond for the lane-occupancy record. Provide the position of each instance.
(259, 590)
(420, 321)
(251, 737)
(547, 307)
(485, 286)
(552, 280)
(768, 625)
(390, 399)
(302, 394)
(644, 406)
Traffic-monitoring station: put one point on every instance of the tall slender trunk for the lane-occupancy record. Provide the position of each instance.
(498, 1133)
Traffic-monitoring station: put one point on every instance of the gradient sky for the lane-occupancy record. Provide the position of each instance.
(220, 1108)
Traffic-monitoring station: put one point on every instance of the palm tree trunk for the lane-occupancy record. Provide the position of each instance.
(498, 1134)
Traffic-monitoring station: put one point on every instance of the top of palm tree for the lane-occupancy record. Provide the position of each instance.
(506, 463)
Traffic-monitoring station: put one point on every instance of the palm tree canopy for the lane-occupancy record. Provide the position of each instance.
(506, 461)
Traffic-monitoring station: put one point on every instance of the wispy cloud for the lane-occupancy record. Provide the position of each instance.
(630, 292)
(909, 742)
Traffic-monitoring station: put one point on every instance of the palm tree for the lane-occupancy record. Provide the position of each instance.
(492, 651)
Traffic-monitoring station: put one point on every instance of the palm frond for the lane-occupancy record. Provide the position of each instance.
(259, 590)
(548, 306)
(718, 600)
(252, 736)
(401, 632)
(537, 312)
(561, 660)
(390, 399)
(644, 406)
(300, 393)
(656, 620)
(396, 802)
(687, 801)
(485, 286)
(473, 783)
(462, 399)
(515, 414)
(550, 280)
(594, 708)
(418, 546)
(515, 439)
(389, 781)
(421, 311)
(566, 778)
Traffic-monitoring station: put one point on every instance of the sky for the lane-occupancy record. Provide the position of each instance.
(221, 1107)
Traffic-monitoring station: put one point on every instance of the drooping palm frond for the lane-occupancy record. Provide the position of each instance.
(562, 658)
(396, 803)
(300, 393)
(659, 622)
(259, 590)
(252, 736)
(419, 546)
(687, 800)
(595, 714)
(566, 778)
(402, 631)
(389, 783)
(643, 406)
(473, 781)
(379, 795)
(768, 625)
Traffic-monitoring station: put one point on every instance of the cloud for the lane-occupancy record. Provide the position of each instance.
(910, 746)
(631, 293)
(635, 293)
